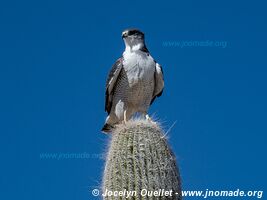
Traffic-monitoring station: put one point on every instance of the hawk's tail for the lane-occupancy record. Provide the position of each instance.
(107, 128)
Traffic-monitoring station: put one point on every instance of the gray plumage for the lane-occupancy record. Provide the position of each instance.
(134, 81)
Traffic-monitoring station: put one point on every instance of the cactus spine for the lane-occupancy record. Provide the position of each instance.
(139, 158)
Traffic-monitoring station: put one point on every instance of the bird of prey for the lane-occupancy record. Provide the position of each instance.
(134, 81)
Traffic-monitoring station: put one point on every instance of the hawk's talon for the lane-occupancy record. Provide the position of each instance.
(149, 119)
(124, 117)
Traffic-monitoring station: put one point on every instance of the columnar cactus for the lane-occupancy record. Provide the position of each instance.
(140, 161)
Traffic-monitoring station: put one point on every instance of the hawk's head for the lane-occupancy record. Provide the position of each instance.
(133, 39)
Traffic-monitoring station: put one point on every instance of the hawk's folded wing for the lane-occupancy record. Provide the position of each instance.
(111, 83)
(159, 82)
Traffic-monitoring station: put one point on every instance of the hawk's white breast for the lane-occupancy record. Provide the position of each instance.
(139, 66)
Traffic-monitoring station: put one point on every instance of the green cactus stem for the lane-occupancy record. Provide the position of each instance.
(139, 160)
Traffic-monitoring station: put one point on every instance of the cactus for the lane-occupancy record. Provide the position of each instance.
(140, 160)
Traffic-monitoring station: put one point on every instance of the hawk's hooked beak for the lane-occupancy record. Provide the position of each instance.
(124, 34)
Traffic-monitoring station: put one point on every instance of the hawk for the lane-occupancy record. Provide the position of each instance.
(134, 81)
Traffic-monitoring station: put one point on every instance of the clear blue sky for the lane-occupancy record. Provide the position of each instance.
(54, 60)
